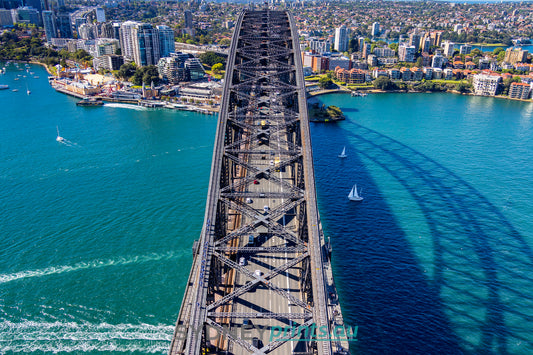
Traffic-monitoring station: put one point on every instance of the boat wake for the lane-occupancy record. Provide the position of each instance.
(131, 107)
(63, 140)
(66, 142)
(95, 264)
(56, 337)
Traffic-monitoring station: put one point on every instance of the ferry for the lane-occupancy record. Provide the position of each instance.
(90, 102)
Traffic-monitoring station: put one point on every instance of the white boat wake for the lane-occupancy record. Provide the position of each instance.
(83, 337)
(66, 142)
(63, 140)
(131, 107)
(95, 264)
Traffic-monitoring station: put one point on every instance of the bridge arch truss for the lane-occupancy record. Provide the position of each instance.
(259, 262)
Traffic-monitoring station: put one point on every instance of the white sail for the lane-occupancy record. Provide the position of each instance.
(343, 154)
(59, 138)
(354, 195)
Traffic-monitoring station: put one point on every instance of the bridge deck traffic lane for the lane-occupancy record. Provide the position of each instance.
(262, 135)
(265, 299)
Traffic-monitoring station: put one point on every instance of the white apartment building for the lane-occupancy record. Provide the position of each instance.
(487, 85)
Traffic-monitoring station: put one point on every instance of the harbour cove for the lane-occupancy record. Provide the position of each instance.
(97, 235)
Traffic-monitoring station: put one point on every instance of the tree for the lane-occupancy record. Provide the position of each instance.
(224, 42)
(507, 84)
(384, 83)
(126, 71)
(146, 75)
(211, 58)
(462, 87)
(476, 52)
(217, 68)
(325, 82)
(394, 46)
(353, 45)
(497, 50)
(151, 75)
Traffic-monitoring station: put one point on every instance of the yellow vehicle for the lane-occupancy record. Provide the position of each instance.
(276, 163)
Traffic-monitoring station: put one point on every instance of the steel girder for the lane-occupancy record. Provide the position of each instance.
(263, 112)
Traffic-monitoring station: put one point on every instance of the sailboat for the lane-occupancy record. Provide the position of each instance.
(343, 154)
(59, 138)
(354, 195)
(27, 89)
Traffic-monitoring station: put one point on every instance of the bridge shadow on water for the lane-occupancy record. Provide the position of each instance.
(473, 297)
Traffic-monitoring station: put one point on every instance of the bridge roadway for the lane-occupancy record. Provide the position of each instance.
(260, 263)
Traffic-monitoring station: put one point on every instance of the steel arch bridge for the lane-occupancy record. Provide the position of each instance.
(261, 279)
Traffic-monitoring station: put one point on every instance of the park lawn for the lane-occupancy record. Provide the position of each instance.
(219, 76)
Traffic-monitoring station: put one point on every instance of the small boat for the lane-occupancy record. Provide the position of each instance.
(354, 195)
(343, 154)
(28, 92)
(59, 138)
(15, 90)
(4, 87)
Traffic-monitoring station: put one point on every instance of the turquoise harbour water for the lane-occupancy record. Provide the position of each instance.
(96, 232)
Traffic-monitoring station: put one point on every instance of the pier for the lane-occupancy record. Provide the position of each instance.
(261, 265)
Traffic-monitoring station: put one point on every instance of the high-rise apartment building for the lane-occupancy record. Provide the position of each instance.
(406, 53)
(145, 44)
(126, 39)
(100, 14)
(341, 39)
(5, 18)
(188, 19)
(487, 85)
(166, 41)
(375, 29)
(515, 55)
(414, 40)
(449, 48)
(49, 22)
(63, 25)
(87, 31)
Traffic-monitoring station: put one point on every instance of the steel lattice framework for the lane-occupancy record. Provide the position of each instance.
(260, 254)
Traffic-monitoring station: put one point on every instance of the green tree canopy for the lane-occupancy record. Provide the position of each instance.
(325, 82)
(126, 71)
(146, 75)
(384, 83)
(225, 42)
(497, 50)
(216, 68)
(211, 58)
